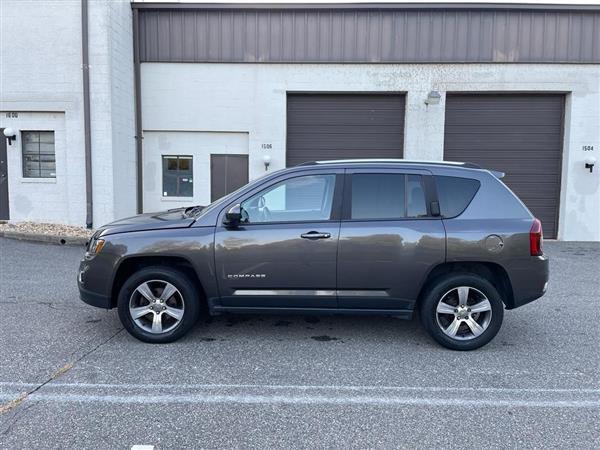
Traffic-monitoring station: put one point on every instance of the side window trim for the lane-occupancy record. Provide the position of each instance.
(336, 205)
(428, 184)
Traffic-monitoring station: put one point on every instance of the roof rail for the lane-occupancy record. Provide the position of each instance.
(392, 160)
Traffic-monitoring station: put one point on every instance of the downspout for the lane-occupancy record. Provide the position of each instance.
(85, 67)
(138, 112)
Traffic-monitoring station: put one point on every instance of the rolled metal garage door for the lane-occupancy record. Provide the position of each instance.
(519, 134)
(339, 126)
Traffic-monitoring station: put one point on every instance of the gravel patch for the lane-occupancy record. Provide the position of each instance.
(46, 229)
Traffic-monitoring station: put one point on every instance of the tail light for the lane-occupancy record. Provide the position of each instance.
(536, 238)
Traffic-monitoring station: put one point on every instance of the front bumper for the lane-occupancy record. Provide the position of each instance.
(94, 299)
(91, 283)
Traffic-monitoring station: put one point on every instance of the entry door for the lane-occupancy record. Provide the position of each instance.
(4, 214)
(283, 254)
(388, 239)
(227, 173)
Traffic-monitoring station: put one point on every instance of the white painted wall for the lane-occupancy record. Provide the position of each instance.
(41, 79)
(199, 145)
(252, 98)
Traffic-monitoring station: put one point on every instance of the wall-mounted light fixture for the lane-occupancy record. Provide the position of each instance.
(590, 161)
(267, 161)
(10, 135)
(433, 98)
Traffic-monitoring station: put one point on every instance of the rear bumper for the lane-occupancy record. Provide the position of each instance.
(529, 280)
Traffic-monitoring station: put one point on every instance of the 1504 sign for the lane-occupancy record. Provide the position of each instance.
(587, 148)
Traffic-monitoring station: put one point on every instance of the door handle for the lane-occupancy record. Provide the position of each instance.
(315, 235)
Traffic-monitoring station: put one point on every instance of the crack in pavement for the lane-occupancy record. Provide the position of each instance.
(13, 404)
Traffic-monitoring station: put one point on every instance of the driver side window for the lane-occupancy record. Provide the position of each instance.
(304, 198)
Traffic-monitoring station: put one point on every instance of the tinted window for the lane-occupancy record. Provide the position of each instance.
(387, 196)
(378, 196)
(307, 198)
(455, 194)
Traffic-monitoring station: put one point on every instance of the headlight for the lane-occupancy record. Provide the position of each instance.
(95, 246)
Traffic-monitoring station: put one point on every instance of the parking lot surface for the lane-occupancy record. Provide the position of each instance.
(71, 377)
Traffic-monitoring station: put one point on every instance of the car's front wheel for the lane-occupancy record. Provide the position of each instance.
(462, 311)
(158, 304)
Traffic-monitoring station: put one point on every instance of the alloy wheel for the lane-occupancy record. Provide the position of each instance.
(463, 313)
(156, 306)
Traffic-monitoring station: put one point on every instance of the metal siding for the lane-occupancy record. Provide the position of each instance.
(519, 134)
(369, 35)
(337, 126)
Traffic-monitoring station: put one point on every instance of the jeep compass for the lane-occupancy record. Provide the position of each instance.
(448, 241)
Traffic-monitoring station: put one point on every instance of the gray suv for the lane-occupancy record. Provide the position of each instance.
(391, 237)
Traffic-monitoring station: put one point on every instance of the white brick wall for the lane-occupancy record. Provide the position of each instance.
(40, 72)
(252, 98)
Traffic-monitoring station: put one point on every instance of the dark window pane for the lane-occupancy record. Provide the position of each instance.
(178, 176)
(455, 194)
(185, 164)
(377, 196)
(171, 163)
(169, 186)
(46, 137)
(47, 149)
(415, 197)
(31, 148)
(50, 173)
(38, 154)
(31, 136)
(185, 187)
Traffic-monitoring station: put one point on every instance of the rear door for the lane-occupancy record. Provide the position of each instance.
(388, 238)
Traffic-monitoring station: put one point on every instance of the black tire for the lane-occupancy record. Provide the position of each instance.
(436, 291)
(186, 288)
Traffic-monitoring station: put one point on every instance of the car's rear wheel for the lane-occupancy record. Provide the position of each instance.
(462, 311)
(158, 304)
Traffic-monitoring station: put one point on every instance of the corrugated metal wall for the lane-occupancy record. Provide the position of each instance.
(341, 126)
(519, 134)
(363, 35)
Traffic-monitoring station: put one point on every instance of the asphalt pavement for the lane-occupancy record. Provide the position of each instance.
(70, 376)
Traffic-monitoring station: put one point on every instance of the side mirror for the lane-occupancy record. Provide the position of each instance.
(233, 216)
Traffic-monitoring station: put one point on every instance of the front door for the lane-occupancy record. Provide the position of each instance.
(388, 239)
(283, 254)
(4, 215)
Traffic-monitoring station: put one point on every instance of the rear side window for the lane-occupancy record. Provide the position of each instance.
(455, 194)
(387, 196)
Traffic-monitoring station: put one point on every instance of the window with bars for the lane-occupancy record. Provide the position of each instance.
(39, 160)
(178, 176)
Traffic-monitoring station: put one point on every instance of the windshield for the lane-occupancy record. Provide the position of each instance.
(226, 198)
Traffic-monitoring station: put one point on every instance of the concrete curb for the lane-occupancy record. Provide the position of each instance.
(45, 238)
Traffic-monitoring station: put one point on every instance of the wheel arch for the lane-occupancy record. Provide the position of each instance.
(132, 264)
(493, 272)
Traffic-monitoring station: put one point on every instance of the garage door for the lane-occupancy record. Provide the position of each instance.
(338, 126)
(519, 134)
